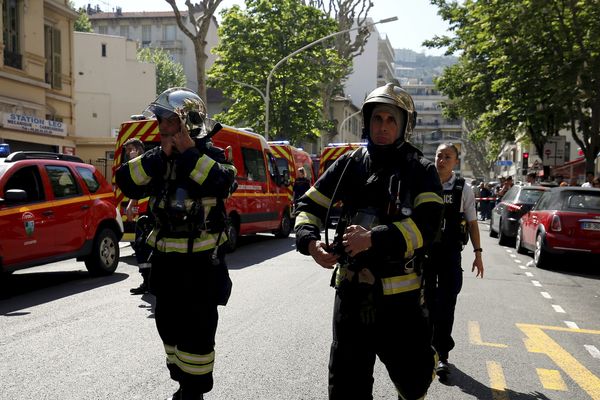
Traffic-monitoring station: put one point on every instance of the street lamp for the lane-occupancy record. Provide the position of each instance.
(341, 126)
(284, 59)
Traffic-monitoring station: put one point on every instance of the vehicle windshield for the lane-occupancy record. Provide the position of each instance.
(583, 201)
(530, 196)
(282, 164)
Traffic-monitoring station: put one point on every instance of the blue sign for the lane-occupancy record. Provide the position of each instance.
(504, 163)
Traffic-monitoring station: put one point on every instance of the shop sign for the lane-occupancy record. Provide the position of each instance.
(33, 124)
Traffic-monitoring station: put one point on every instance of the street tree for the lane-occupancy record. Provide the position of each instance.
(82, 23)
(169, 73)
(200, 15)
(347, 13)
(252, 41)
(530, 66)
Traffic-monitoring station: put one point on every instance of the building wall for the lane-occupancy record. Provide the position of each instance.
(160, 25)
(109, 89)
(34, 114)
(363, 78)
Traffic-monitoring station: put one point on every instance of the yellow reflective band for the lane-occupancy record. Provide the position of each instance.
(318, 197)
(194, 364)
(304, 218)
(191, 358)
(170, 350)
(202, 168)
(400, 284)
(136, 170)
(427, 197)
(206, 241)
(412, 235)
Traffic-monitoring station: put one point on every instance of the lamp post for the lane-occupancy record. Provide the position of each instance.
(311, 44)
(341, 126)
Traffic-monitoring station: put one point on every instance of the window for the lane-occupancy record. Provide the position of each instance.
(544, 202)
(62, 181)
(169, 32)
(530, 196)
(103, 51)
(29, 180)
(254, 165)
(89, 178)
(124, 31)
(11, 29)
(52, 49)
(103, 29)
(146, 35)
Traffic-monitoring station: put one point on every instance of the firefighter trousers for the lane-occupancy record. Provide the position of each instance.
(443, 282)
(186, 315)
(399, 335)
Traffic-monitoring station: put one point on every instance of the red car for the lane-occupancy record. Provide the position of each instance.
(565, 220)
(54, 207)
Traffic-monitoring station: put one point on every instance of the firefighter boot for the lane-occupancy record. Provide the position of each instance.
(143, 288)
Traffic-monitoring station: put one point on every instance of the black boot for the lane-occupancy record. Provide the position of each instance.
(142, 289)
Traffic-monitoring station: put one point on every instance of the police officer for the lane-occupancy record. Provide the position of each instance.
(443, 272)
(391, 211)
(187, 180)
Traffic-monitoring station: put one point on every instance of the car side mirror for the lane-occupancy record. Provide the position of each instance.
(14, 196)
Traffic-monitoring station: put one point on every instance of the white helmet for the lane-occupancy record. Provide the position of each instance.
(181, 102)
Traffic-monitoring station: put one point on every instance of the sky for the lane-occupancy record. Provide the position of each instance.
(417, 19)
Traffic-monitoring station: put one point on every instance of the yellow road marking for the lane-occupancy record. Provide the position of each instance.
(551, 379)
(475, 336)
(497, 381)
(538, 341)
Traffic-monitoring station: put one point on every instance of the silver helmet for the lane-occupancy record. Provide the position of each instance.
(184, 103)
(394, 95)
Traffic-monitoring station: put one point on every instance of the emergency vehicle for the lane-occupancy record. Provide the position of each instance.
(290, 158)
(260, 203)
(333, 151)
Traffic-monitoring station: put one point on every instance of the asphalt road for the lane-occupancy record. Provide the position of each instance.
(521, 333)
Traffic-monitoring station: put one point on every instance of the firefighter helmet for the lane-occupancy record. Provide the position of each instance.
(181, 102)
(394, 95)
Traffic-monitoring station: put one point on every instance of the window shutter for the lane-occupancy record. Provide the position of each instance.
(56, 60)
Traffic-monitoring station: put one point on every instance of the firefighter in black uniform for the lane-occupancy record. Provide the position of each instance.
(391, 210)
(187, 180)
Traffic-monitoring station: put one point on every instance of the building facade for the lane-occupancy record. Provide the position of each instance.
(158, 29)
(36, 75)
(110, 86)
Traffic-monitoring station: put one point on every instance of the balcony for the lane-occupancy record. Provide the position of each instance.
(14, 60)
(171, 44)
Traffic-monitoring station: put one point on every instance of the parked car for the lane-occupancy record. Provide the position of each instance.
(55, 207)
(505, 216)
(565, 220)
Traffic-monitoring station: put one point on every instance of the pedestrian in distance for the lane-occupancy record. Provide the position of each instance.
(443, 271)
(301, 184)
(135, 148)
(530, 179)
(589, 179)
(485, 203)
(391, 211)
(189, 276)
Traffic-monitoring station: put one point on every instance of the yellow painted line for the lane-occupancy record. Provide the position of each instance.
(497, 381)
(538, 341)
(475, 336)
(551, 379)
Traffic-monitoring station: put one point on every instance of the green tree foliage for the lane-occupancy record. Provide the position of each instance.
(252, 41)
(169, 73)
(82, 23)
(528, 66)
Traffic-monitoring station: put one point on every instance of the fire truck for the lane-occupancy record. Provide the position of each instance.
(333, 151)
(290, 158)
(260, 203)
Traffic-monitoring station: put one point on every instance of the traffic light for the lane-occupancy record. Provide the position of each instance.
(525, 162)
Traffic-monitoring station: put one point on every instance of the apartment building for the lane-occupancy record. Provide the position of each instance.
(157, 29)
(36, 75)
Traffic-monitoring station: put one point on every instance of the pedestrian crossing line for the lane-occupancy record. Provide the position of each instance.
(497, 381)
(551, 379)
(475, 336)
(538, 341)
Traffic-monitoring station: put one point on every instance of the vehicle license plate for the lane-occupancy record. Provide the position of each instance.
(590, 226)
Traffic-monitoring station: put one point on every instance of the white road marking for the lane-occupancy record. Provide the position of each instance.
(536, 283)
(571, 324)
(593, 350)
(529, 274)
(546, 295)
(558, 309)
(513, 255)
(508, 250)
(522, 267)
(517, 261)
(530, 263)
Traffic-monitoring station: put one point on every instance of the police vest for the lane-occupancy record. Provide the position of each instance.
(454, 224)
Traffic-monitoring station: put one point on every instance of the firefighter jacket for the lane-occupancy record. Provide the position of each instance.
(402, 192)
(187, 193)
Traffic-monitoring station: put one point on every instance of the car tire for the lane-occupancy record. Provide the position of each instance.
(541, 258)
(285, 226)
(519, 241)
(233, 233)
(104, 258)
